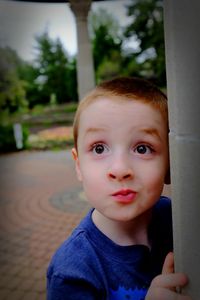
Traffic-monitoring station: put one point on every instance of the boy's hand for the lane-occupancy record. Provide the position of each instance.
(164, 286)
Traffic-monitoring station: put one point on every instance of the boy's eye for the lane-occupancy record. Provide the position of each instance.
(99, 148)
(143, 149)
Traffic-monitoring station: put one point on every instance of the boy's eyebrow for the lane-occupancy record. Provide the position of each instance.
(151, 131)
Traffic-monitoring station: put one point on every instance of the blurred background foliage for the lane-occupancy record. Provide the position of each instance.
(44, 92)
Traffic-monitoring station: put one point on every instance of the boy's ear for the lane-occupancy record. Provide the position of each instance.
(77, 164)
(168, 177)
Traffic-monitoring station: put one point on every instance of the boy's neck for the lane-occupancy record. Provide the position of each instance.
(134, 232)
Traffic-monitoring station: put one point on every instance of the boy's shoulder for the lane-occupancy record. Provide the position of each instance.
(76, 258)
(162, 211)
(160, 230)
(77, 247)
(162, 215)
(164, 202)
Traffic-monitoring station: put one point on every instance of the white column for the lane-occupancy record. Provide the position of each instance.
(182, 40)
(85, 67)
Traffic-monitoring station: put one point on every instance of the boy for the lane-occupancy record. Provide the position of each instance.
(121, 156)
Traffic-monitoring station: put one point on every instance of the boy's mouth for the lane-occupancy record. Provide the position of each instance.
(124, 196)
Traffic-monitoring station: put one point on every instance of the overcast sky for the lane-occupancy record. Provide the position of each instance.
(20, 22)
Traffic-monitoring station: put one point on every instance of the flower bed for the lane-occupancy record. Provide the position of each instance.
(58, 137)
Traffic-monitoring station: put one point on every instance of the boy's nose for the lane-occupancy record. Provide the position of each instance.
(120, 170)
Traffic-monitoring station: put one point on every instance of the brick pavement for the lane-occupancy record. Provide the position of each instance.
(40, 203)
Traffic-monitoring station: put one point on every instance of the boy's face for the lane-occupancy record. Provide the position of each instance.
(122, 157)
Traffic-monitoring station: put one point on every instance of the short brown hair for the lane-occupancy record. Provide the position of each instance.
(129, 88)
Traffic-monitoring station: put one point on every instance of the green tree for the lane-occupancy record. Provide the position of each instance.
(106, 44)
(12, 88)
(29, 74)
(56, 71)
(147, 28)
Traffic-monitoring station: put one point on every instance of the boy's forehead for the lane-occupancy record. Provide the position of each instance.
(116, 108)
(114, 101)
(100, 101)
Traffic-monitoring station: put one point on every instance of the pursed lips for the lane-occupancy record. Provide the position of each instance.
(124, 195)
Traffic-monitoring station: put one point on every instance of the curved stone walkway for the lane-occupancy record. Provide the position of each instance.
(41, 202)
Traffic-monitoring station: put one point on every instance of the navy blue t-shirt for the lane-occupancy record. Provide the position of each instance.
(89, 266)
